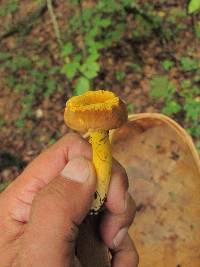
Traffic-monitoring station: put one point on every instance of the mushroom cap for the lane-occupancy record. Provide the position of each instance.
(95, 110)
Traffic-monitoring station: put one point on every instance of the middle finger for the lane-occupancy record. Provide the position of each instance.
(120, 208)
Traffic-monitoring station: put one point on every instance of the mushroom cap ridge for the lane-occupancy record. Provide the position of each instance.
(95, 110)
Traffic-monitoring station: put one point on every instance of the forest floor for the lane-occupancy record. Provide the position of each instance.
(127, 69)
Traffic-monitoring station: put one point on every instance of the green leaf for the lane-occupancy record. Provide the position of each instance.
(197, 29)
(74, 2)
(120, 75)
(136, 67)
(87, 14)
(21, 62)
(162, 87)
(92, 33)
(93, 54)
(105, 22)
(4, 56)
(38, 76)
(11, 81)
(108, 6)
(2, 122)
(19, 123)
(82, 86)
(194, 130)
(171, 107)
(51, 86)
(167, 64)
(127, 3)
(71, 68)
(192, 108)
(90, 69)
(143, 28)
(185, 84)
(130, 108)
(95, 45)
(120, 29)
(67, 49)
(189, 64)
(9, 7)
(194, 6)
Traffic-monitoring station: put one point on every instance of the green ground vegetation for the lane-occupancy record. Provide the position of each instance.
(90, 33)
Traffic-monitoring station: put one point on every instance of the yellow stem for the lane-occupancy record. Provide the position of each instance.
(102, 160)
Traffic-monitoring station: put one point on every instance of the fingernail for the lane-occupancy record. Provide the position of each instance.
(77, 170)
(120, 237)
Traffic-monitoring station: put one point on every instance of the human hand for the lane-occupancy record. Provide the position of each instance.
(41, 209)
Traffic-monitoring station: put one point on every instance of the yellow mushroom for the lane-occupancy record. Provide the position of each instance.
(97, 112)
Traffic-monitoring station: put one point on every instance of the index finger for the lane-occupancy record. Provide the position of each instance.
(49, 164)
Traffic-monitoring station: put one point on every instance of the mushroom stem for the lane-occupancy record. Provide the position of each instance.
(96, 111)
(102, 160)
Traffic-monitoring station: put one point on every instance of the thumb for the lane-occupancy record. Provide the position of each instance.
(57, 210)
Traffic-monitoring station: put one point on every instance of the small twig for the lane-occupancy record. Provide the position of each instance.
(54, 22)
(84, 50)
(83, 46)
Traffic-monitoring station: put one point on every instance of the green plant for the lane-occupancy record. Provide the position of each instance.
(30, 77)
(197, 29)
(194, 6)
(174, 101)
(10, 7)
(190, 93)
(2, 122)
(20, 123)
(189, 64)
(167, 64)
(137, 68)
(4, 56)
(161, 87)
(130, 108)
(120, 75)
(97, 27)
(143, 29)
(178, 12)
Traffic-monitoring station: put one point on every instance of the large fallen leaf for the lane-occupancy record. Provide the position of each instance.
(164, 175)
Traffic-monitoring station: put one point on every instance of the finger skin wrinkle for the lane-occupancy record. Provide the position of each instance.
(21, 198)
(125, 254)
(20, 211)
(37, 184)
